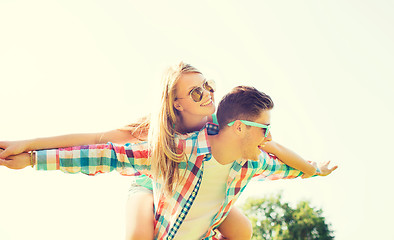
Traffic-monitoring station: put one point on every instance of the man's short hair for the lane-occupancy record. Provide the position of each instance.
(242, 103)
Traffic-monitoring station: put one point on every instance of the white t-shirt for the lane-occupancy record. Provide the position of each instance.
(208, 201)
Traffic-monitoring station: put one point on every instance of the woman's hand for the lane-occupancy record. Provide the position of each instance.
(13, 148)
(18, 161)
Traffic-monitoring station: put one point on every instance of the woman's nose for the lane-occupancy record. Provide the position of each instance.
(206, 94)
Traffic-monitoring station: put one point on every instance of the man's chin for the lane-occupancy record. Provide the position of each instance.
(253, 157)
(256, 157)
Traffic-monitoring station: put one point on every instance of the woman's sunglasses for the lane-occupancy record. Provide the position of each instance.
(197, 92)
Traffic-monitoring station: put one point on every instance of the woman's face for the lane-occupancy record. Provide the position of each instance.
(184, 102)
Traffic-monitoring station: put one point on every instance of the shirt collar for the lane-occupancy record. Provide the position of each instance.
(200, 138)
(203, 146)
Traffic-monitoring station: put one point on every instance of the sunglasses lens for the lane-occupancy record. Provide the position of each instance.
(208, 87)
(267, 131)
(196, 94)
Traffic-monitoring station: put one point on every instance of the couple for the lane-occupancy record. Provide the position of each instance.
(198, 171)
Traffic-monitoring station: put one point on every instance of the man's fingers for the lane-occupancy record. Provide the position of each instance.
(314, 164)
(333, 168)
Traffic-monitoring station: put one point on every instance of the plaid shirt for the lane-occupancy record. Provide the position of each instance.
(170, 211)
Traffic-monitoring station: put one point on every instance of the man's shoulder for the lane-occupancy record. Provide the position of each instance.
(208, 129)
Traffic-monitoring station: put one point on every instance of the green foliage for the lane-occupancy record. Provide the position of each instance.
(274, 219)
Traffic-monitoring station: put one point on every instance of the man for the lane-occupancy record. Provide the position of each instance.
(218, 166)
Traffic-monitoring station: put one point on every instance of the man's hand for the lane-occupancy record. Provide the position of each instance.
(325, 170)
(17, 161)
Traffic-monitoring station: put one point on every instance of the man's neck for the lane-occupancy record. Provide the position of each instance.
(224, 149)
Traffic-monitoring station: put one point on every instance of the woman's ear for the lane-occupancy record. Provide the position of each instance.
(178, 106)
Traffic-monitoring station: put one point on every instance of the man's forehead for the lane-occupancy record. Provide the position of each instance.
(265, 117)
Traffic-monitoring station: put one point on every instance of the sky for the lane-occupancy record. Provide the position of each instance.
(90, 66)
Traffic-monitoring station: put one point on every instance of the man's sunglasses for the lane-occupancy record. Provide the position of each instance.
(197, 92)
(253, 124)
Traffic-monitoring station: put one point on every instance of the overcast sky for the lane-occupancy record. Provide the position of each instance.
(87, 66)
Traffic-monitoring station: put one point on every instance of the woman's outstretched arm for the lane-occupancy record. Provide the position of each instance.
(128, 159)
(116, 136)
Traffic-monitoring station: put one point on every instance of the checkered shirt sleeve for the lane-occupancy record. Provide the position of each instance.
(130, 159)
(273, 169)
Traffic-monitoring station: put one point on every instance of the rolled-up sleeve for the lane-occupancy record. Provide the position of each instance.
(271, 168)
(129, 159)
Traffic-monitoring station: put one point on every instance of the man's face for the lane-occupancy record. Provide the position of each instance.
(254, 137)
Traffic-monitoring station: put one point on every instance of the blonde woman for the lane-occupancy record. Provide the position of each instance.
(187, 104)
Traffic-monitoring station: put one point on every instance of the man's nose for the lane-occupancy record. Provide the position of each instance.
(269, 137)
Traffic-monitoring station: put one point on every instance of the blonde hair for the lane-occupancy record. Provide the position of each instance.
(164, 153)
(138, 129)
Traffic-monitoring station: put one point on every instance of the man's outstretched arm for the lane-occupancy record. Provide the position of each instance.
(273, 168)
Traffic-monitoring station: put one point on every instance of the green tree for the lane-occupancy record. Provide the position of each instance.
(277, 220)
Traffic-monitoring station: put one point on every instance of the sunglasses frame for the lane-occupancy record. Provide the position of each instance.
(201, 89)
(253, 124)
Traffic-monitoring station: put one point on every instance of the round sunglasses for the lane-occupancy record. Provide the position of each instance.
(197, 92)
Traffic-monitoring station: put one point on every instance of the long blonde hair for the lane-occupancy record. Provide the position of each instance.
(164, 153)
(138, 129)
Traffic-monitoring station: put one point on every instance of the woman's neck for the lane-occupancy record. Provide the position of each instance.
(191, 123)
